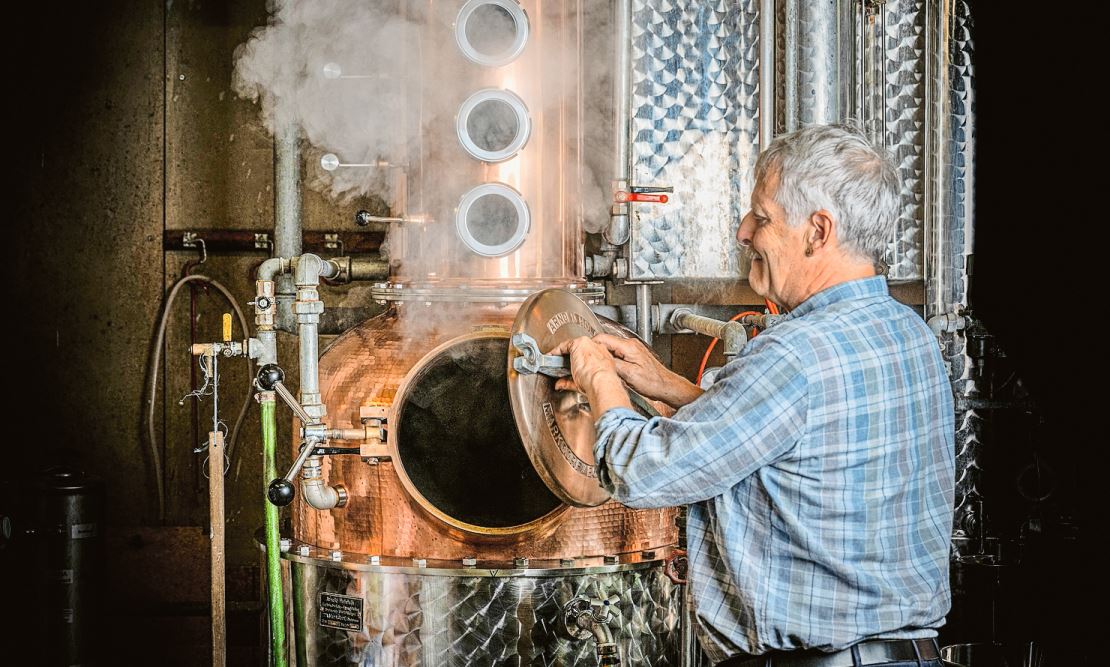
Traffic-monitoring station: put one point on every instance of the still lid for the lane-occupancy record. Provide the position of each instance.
(556, 427)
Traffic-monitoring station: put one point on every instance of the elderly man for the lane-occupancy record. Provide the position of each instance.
(818, 468)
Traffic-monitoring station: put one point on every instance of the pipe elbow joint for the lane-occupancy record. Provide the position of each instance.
(947, 323)
(734, 339)
(316, 492)
(273, 267)
(320, 496)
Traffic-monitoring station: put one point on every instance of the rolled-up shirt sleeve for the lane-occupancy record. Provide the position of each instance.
(753, 415)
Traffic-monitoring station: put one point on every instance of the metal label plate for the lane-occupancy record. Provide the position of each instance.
(341, 612)
(556, 427)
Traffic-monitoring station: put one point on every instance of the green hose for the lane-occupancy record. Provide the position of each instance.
(273, 538)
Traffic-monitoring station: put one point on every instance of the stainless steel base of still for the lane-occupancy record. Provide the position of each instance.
(426, 615)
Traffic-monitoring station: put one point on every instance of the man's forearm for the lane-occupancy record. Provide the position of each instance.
(608, 393)
(678, 391)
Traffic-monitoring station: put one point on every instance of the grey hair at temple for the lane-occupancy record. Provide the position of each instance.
(838, 169)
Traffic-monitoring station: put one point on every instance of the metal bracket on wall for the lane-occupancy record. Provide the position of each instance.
(354, 242)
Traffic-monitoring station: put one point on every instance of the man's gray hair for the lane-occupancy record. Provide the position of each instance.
(836, 168)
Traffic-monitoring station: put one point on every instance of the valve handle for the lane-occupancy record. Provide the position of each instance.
(281, 492)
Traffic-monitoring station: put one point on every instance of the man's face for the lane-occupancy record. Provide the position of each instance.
(777, 250)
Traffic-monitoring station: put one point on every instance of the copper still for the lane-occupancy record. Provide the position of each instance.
(452, 550)
(458, 483)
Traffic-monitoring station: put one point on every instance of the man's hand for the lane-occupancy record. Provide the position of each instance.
(594, 373)
(642, 371)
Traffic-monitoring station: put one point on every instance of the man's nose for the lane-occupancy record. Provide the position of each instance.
(744, 232)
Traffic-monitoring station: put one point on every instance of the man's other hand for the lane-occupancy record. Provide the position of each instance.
(642, 371)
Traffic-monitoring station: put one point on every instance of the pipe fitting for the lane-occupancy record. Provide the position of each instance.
(308, 269)
(607, 265)
(733, 335)
(315, 490)
(368, 268)
(272, 268)
(619, 230)
(584, 618)
(947, 323)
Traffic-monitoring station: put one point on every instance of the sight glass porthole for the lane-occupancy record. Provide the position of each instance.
(493, 125)
(491, 32)
(492, 219)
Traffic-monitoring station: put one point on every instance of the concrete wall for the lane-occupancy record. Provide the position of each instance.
(125, 125)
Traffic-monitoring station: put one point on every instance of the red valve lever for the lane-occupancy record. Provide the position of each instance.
(622, 197)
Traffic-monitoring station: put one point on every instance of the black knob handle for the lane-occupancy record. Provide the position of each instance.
(362, 218)
(281, 492)
(269, 375)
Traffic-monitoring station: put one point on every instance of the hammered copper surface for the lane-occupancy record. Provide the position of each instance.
(365, 367)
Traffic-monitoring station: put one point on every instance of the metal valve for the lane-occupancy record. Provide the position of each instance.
(585, 617)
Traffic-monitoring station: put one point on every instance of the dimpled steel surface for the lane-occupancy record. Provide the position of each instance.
(952, 288)
(494, 618)
(695, 127)
(905, 138)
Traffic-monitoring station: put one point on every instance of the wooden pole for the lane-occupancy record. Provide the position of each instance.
(216, 519)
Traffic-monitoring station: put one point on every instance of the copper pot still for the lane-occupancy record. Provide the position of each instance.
(453, 551)
(496, 197)
(458, 483)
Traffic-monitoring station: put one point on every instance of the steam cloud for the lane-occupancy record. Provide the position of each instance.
(344, 72)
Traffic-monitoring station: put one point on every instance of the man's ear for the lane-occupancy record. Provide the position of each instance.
(820, 230)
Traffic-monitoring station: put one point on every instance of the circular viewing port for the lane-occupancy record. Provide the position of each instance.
(492, 219)
(458, 444)
(493, 125)
(491, 32)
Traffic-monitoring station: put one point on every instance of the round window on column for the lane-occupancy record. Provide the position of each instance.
(491, 32)
(493, 125)
(492, 220)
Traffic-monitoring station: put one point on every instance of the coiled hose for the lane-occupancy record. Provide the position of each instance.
(152, 373)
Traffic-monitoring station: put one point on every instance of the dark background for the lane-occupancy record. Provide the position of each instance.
(1040, 227)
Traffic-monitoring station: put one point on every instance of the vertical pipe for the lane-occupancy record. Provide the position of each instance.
(766, 72)
(814, 57)
(619, 228)
(643, 312)
(287, 216)
(941, 292)
(307, 334)
(273, 539)
(846, 55)
(790, 62)
(216, 519)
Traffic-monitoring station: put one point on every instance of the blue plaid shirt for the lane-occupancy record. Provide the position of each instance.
(819, 472)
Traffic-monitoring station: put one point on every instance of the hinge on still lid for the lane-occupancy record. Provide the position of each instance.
(374, 418)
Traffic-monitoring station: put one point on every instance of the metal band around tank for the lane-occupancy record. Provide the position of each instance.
(395, 292)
